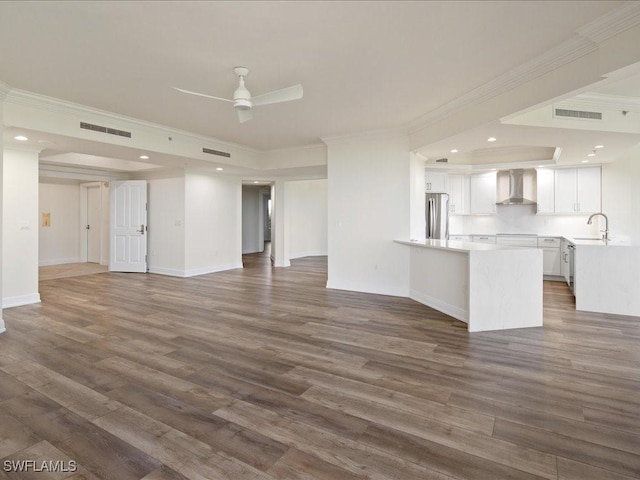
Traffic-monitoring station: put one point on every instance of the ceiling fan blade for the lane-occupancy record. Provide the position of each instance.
(201, 94)
(244, 115)
(278, 96)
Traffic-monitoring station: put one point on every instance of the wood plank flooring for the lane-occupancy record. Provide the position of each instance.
(263, 373)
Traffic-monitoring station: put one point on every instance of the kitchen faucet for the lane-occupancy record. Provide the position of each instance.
(605, 237)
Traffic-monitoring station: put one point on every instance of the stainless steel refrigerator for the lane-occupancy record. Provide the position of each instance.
(437, 215)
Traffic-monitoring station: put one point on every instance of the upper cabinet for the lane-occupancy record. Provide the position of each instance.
(577, 190)
(569, 191)
(482, 193)
(435, 182)
(545, 190)
(458, 197)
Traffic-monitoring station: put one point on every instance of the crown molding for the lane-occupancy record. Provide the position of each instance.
(4, 91)
(602, 102)
(42, 102)
(585, 40)
(612, 23)
(385, 133)
(571, 50)
(311, 146)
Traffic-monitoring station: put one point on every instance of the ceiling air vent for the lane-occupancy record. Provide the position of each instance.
(563, 112)
(110, 131)
(216, 152)
(442, 160)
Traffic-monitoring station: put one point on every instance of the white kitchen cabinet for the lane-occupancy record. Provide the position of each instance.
(577, 190)
(435, 182)
(545, 190)
(551, 255)
(460, 238)
(565, 266)
(589, 189)
(457, 194)
(483, 238)
(482, 193)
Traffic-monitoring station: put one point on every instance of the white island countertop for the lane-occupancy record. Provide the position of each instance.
(457, 245)
(487, 286)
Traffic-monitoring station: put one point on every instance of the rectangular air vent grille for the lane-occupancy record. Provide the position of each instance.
(563, 112)
(216, 152)
(442, 160)
(110, 131)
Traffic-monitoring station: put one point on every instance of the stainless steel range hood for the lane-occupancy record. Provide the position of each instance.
(516, 187)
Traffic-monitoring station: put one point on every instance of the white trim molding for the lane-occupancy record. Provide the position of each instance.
(58, 261)
(2, 326)
(212, 269)
(193, 272)
(308, 254)
(585, 40)
(20, 300)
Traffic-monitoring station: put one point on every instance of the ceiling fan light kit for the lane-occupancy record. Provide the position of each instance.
(242, 101)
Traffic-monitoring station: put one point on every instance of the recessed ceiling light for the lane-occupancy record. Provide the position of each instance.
(585, 161)
(599, 146)
(20, 138)
(592, 154)
(219, 169)
(541, 166)
(454, 150)
(491, 139)
(256, 181)
(144, 157)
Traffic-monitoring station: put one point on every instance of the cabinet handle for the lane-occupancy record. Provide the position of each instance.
(548, 240)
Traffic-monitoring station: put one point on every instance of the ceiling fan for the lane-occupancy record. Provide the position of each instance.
(242, 100)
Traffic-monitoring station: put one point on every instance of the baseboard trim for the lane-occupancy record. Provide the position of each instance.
(194, 272)
(20, 300)
(332, 285)
(171, 272)
(308, 254)
(59, 261)
(2, 327)
(446, 308)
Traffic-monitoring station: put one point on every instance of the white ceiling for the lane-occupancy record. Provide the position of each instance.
(363, 65)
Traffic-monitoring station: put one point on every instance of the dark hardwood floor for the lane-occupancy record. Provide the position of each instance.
(264, 373)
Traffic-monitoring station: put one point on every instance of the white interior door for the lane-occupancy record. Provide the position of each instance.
(128, 214)
(94, 219)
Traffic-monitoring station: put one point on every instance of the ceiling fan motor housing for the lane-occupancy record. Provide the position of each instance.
(242, 104)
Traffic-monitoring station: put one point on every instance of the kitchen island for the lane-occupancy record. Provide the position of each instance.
(489, 287)
(607, 276)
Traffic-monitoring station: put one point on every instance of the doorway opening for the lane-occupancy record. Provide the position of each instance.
(257, 219)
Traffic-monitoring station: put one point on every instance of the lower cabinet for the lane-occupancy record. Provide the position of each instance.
(551, 255)
(483, 238)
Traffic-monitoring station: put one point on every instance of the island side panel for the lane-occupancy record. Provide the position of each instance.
(505, 289)
(440, 279)
(607, 279)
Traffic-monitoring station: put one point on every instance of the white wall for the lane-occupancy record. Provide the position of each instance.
(307, 217)
(251, 224)
(2, 93)
(20, 228)
(368, 192)
(621, 196)
(166, 218)
(279, 225)
(60, 242)
(521, 219)
(213, 223)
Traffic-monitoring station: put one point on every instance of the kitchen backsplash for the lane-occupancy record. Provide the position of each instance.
(522, 219)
